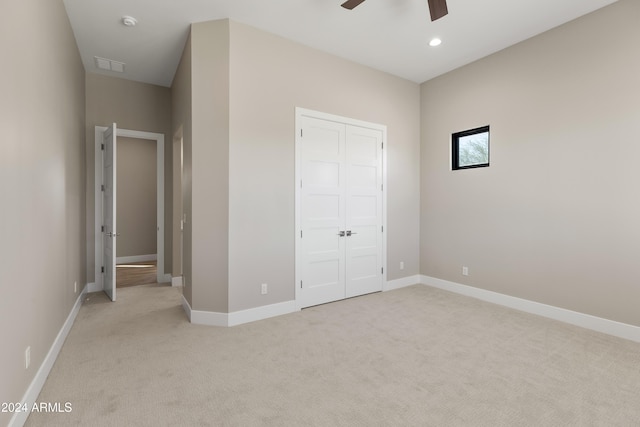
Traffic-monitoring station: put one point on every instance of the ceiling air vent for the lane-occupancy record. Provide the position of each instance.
(109, 64)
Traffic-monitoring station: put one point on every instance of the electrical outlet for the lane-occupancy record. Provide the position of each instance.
(401, 265)
(264, 289)
(75, 287)
(465, 271)
(27, 357)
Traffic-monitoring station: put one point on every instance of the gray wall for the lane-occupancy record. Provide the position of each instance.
(136, 106)
(554, 219)
(137, 199)
(42, 186)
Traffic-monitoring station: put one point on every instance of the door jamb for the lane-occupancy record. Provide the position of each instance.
(299, 114)
(98, 214)
(177, 227)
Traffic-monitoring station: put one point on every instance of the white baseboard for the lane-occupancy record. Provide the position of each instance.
(401, 283)
(136, 258)
(587, 321)
(176, 281)
(211, 318)
(259, 313)
(32, 393)
(208, 318)
(93, 287)
(186, 307)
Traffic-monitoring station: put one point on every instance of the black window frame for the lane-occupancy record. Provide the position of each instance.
(455, 148)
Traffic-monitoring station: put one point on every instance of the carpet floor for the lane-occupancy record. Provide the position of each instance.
(416, 356)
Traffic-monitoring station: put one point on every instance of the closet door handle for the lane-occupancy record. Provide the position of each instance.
(349, 233)
(341, 234)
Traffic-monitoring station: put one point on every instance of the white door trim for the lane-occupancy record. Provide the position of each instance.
(159, 139)
(299, 114)
(109, 218)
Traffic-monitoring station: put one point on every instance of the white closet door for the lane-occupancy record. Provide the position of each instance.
(339, 252)
(322, 212)
(364, 211)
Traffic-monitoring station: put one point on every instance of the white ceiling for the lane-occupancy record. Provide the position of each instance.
(389, 35)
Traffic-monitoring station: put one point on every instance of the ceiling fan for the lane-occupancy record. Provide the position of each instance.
(438, 8)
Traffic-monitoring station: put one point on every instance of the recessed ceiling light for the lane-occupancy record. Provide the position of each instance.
(129, 21)
(435, 42)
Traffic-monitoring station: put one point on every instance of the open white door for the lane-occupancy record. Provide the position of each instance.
(109, 214)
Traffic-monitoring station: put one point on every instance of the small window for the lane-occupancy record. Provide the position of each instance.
(470, 148)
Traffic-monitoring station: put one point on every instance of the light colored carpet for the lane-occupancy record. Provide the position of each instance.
(411, 357)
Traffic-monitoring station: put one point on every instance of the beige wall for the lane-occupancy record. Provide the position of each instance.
(208, 156)
(135, 106)
(178, 202)
(554, 219)
(136, 197)
(41, 184)
(181, 118)
(254, 183)
(270, 76)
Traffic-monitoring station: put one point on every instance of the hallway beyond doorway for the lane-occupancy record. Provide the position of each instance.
(136, 273)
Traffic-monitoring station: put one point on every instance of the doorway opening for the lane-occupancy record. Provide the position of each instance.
(157, 140)
(136, 201)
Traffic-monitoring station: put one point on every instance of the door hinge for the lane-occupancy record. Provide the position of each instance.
(102, 187)
(102, 228)
(102, 269)
(300, 284)
(300, 133)
(382, 228)
(301, 234)
(102, 147)
(300, 183)
(382, 270)
(382, 145)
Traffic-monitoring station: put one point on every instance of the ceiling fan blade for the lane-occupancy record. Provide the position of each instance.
(437, 8)
(350, 4)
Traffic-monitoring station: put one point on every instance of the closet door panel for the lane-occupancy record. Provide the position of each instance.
(364, 211)
(322, 212)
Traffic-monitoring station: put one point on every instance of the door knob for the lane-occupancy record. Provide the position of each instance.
(349, 233)
(341, 234)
